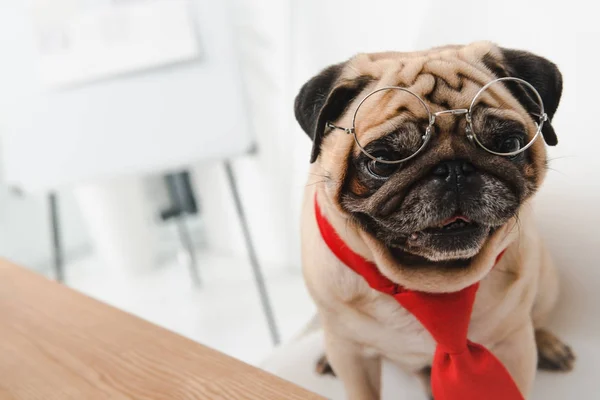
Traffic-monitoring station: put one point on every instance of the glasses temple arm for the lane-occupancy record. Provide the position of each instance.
(332, 126)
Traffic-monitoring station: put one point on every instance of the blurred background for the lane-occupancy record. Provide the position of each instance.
(142, 139)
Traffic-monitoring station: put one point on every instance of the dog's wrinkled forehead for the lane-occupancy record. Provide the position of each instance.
(444, 78)
(453, 64)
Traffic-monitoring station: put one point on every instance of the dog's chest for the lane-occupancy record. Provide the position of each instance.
(398, 336)
(395, 334)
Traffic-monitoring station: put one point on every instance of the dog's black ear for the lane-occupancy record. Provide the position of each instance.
(324, 98)
(538, 71)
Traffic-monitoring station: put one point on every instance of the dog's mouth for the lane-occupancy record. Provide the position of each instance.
(455, 239)
(455, 225)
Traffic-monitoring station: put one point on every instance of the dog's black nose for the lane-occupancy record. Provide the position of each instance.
(453, 169)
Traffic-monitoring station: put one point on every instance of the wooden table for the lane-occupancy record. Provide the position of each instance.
(57, 344)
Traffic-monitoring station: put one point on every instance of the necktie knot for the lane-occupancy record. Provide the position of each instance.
(454, 349)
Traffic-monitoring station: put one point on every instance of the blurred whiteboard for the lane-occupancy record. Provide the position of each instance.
(137, 123)
(78, 41)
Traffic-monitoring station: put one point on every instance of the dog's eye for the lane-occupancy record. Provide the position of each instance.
(379, 169)
(511, 144)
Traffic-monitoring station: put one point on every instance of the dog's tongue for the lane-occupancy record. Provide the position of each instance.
(454, 219)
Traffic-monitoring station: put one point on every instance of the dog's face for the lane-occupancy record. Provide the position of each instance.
(441, 207)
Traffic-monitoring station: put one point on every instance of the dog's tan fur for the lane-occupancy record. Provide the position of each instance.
(363, 326)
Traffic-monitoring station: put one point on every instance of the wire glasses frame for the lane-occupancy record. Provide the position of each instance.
(543, 117)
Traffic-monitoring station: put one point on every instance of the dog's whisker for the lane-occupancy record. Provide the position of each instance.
(550, 159)
(326, 177)
(316, 183)
(554, 170)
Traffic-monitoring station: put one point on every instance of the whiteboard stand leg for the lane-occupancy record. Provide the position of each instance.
(183, 202)
(57, 250)
(188, 248)
(256, 269)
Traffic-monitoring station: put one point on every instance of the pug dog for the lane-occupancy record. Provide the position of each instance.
(432, 222)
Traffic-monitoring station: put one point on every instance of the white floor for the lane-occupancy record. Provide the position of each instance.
(224, 313)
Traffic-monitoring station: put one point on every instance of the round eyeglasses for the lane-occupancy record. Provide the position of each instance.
(409, 138)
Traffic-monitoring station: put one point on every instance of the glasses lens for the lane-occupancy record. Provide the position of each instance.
(390, 125)
(498, 125)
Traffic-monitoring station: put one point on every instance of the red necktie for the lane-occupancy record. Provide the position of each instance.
(461, 369)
